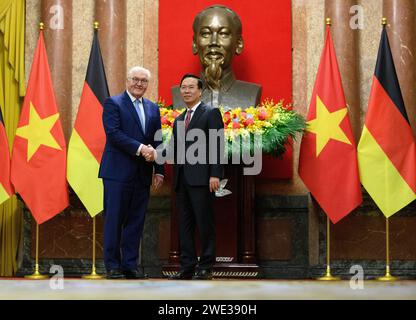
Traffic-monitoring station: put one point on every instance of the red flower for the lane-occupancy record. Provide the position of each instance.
(262, 114)
(175, 114)
(248, 122)
(165, 120)
(236, 125)
(226, 117)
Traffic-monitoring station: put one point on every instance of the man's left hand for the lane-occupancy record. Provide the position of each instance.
(157, 181)
(149, 153)
(214, 184)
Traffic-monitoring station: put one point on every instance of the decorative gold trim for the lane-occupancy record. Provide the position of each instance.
(328, 21)
(223, 274)
(224, 259)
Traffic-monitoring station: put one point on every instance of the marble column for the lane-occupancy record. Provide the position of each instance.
(345, 40)
(151, 45)
(57, 17)
(111, 15)
(401, 28)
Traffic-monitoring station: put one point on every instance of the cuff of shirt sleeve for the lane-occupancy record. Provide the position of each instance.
(139, 150)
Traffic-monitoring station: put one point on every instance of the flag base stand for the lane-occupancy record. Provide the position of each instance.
(328, 276)
(93, 275)
(387, 277)
(36, 275)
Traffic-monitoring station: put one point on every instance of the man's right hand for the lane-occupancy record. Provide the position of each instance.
(148, 152)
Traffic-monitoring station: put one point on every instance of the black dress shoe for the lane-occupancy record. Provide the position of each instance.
(114, 274)
(182, 275)
(135, 274)
(203, 275)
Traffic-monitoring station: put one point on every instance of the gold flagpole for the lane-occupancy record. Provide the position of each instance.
(328, 276)
(387, 276)
(36, 275)
(93, 275)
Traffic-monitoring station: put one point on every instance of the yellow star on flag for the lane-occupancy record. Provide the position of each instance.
(38, 132)
(326, 126)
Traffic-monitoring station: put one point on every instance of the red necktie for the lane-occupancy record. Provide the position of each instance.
(188, 118)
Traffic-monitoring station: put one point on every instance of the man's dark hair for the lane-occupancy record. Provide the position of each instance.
(190, 75)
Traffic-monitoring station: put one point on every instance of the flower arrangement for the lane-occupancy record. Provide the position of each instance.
(167, 118)
(273, 122)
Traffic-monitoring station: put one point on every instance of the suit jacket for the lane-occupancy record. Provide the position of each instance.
(198, 174)
(124, 135)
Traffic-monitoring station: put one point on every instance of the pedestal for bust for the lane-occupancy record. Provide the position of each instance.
(235, 229)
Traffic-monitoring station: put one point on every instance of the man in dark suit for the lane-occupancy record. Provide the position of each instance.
(196, 178)
(127, 169)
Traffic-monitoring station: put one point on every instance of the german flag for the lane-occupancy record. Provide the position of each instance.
(38, 168)
(87, 141)
(386, 150)
(6, 188)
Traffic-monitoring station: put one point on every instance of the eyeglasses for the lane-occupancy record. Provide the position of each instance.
(137, 80)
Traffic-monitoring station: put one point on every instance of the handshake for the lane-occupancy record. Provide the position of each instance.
(149, 153)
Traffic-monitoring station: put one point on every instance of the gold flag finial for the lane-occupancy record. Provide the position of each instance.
(96, 25)
(41, 25)
(383, 21)
(328, 21)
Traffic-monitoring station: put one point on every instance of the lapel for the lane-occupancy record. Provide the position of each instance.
(199, 111)
(130, 106)
(147, 112)
(181, 117)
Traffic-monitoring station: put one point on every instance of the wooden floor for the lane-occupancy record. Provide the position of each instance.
(162, 289)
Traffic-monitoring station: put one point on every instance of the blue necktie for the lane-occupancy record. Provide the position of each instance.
(140, 112)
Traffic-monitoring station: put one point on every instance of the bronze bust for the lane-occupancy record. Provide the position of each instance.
(217, 38)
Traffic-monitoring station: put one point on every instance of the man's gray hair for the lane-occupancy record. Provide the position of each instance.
(138, 69)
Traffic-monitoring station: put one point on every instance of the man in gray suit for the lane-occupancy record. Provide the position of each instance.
(217, 38)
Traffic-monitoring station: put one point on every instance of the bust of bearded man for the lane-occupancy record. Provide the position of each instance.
(217, 39)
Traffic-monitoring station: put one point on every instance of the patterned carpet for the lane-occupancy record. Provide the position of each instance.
(162, 289)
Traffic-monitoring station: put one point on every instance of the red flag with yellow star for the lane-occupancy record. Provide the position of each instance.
(38, 170)
(6, 188)
(328, 158)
